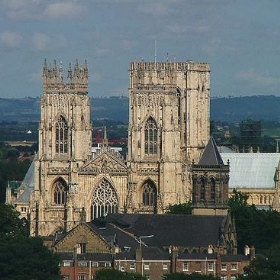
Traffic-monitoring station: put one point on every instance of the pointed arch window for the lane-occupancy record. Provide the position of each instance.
(151, 137)
(104, 200)
(61, 136)
(212, 189)
(202, 189)
(59, 192)
(149, 194)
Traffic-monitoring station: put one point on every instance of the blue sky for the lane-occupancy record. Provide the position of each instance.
(240, 39)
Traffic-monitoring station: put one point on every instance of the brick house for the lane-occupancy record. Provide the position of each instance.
(152, 245)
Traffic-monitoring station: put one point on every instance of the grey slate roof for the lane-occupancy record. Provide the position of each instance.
(177, 230)
(114, 235)
(211, 155)
(27, 184)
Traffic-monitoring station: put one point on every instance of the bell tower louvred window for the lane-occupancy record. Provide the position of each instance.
(61, 136)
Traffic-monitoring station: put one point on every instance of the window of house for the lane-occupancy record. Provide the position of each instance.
(23, 209)
(185, 266)
(122, 268)
(233, 266)
(81, 248)
(107, 264)
(66, 263)
(151, 137)
(165, 266)
(82, 263)
(210, 266)
(132, 266)
(146, 266)
(81, 277)
(94, 264)
(61, 136)
(224, 267)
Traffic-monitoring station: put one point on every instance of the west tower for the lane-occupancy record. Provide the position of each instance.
(168, 128)
(65, 134)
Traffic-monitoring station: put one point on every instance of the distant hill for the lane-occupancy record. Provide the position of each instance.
(232, 109)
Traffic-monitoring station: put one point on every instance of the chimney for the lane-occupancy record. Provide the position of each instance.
(174, 255)
(246, 250)
(252, 253)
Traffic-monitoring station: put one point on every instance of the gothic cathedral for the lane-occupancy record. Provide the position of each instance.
(169, 126)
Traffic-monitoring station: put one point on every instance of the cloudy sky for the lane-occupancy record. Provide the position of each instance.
(240, 39)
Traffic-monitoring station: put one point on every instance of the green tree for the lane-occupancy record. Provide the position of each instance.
(109, 274)
(11, 224)
(264, 267)
(181, 208)
(193, 276)
(23, 257)
(254, 227)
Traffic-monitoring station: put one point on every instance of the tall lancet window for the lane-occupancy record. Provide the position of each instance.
(213, 189)
(61, 136)
(151, 137)
(202, 189)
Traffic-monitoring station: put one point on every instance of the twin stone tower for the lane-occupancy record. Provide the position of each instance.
(169, 127)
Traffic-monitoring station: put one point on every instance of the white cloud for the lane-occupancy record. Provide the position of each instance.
(254, 77)
(64, 9)
(22, 9)
(155, 9)
(43, 42)
(11, 39)
(19, 4)
(39, 9)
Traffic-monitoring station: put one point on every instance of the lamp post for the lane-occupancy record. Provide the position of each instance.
(143, 237)
(140, 239)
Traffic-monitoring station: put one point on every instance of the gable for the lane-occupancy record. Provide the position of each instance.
(106, 162)
(83, 234)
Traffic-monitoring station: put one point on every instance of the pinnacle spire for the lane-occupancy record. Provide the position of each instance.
(211, 155)
(53, 78)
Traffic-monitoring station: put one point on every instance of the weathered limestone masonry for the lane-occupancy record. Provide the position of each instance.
(64, 145)
(168, 128)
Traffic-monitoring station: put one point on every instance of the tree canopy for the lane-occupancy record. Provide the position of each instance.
(23, 257)
(255, 227)
(181, 208)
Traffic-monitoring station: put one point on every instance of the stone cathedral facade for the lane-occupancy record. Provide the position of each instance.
(169, 126)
